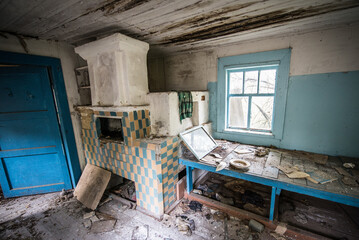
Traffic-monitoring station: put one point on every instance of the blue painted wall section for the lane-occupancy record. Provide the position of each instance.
(322, 115)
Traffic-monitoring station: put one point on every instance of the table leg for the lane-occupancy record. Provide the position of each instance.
(272, 203)
(189, 179)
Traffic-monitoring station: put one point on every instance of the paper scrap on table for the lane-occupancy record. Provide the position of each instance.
(216, 155)
(242, 151)
(321, 177)
(293, 172)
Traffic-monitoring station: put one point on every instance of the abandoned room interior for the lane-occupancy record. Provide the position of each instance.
(191, 119)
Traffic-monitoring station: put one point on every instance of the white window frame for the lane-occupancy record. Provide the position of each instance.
(279, 58)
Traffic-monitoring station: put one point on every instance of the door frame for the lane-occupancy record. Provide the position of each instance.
(54, 68)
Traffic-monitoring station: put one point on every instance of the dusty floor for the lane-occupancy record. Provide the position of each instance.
(45, 217)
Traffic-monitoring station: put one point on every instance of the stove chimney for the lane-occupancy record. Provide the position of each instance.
(118, 70)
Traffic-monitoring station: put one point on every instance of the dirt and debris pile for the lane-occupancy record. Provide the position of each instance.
(191, 217)
(66, 195)
(126, 190)
(235, 192)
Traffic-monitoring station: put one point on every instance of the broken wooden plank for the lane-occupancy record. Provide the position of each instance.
(270, 169)
(92, 185)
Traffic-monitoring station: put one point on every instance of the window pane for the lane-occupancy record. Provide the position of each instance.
(261, 113)
(236, 82)
(238, 112)
(250, 82)
(267, 81)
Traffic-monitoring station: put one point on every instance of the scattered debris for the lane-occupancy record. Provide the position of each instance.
(92, 185)
(103, 226)
(293, 172)
(277, 236)
(252, 197)
(140, 232)
(219, 216)
(208, 161)
(105, 201)
(321, 177)
(281, 229)
(256, 226)
(222, 165)
(349, 165)
(94, 219)
(66, 195)
(195, 206)
(185, 225)
(243, 151)
(285, 206)
(167, 220)
(216, 155)
(235, 186)
(87, 223)
(255, 209)
(342, 171)
(129, 204)
(126, 190)
(301, 218)
(350, 181)
(203, 187)
(197, 191)
(261, 151)
(104, 216)
(89, 215)
(228, 201)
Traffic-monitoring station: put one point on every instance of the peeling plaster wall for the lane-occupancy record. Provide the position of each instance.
(332, 50)
(165, 117)
(321, 111)
(69, 61)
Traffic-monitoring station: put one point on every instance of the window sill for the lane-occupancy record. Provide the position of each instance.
(249, 133)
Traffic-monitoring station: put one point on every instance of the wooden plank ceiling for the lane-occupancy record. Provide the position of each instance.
(172, 24)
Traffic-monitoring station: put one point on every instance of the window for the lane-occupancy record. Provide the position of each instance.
(251, 96)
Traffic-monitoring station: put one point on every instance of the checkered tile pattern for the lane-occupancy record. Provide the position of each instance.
(169, 163)
(153, 167)
(135, 124)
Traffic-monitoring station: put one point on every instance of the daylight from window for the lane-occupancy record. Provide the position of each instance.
(250, 98)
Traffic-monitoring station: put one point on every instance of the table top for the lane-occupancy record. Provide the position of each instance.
(329, 170)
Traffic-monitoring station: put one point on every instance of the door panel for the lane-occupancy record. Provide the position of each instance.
(19, 90)
(31, 150)
(47, 168)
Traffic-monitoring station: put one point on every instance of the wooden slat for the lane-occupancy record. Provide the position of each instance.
(270, 169)
(92, 185)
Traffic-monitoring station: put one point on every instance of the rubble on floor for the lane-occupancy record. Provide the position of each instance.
(212, 224)
(315, 215)
(236, 192)
(126, 190)
(44, 217)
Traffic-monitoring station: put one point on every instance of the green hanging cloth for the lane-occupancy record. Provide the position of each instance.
(185, 105)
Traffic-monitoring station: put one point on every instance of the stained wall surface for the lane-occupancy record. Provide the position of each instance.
(322, 95)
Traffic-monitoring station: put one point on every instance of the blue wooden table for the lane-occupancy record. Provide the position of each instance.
(347, 196)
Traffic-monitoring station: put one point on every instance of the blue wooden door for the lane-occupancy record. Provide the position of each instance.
(31, 150)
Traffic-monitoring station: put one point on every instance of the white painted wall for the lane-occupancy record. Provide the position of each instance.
(69, 61)
(331, 50)
(164, 110)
